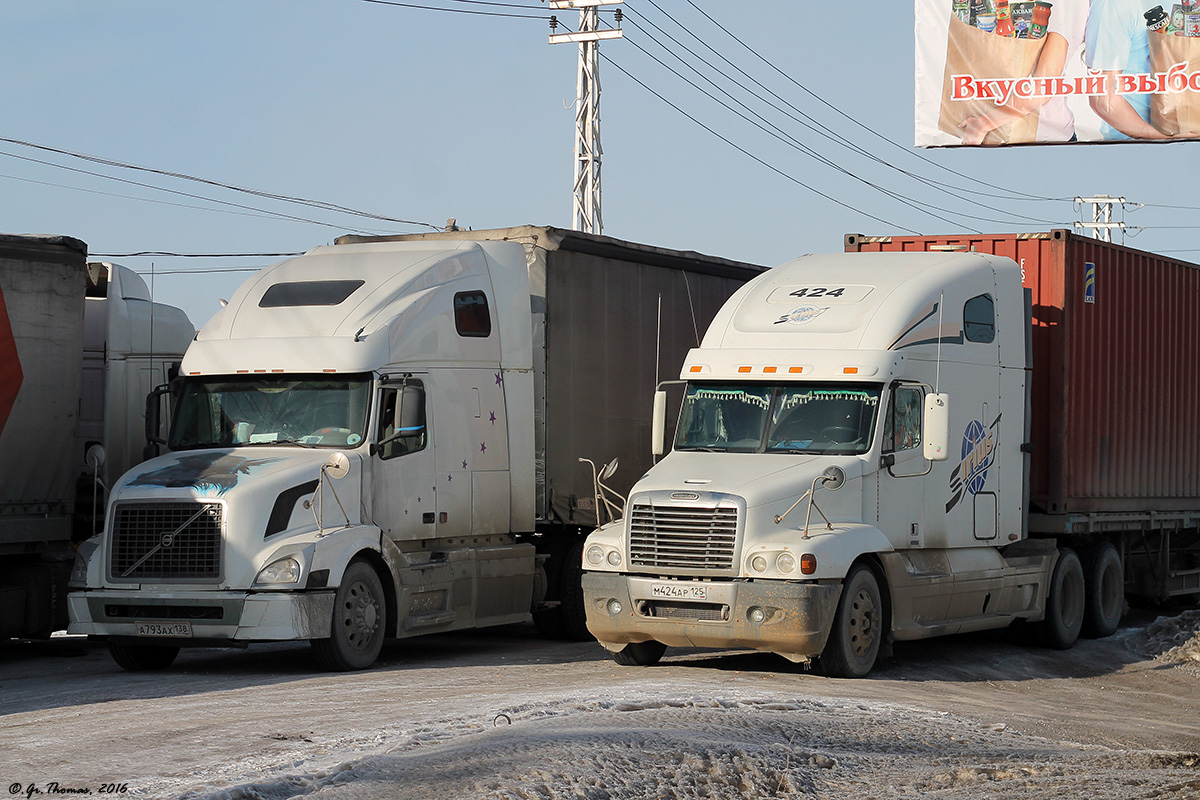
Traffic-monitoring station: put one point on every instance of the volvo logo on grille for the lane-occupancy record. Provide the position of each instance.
(684, 496)
(167, 539)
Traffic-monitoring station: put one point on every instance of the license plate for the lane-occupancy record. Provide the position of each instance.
(181, 630)
(679, 592)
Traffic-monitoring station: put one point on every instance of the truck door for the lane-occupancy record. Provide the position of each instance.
(403, 500)
(901, 496)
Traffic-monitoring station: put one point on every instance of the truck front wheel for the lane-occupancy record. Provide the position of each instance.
(857, 627)
(640, 654)
(359, 622)
(1064, 604)
(143, 657)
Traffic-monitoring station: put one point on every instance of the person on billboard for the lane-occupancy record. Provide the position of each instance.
(1116, 43)
(1056, 123)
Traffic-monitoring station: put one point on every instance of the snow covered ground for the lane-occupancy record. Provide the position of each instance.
(503, 714)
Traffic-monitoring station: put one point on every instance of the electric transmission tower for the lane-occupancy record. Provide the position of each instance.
(586, 213)
(1102, 224)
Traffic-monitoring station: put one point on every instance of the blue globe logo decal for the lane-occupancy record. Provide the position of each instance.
(977, 456)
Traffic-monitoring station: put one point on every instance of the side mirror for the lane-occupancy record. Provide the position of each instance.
(936, 435)
(410, 411)
(658, 430)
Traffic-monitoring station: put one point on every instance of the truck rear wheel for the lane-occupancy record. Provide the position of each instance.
(640, 654)
(857, 627)
(359, 622)
(1104, 583)
(143, 657)
(1064, 604)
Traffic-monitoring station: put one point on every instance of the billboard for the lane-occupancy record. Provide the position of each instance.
(1008, 72)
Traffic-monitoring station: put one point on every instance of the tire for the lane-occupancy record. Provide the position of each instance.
(359, 622)
(143, 657)
(570, 594)
(549, 621)
(1065, 603)
(567, 620)
(857, 627)
(640, 654)
(1104, 587)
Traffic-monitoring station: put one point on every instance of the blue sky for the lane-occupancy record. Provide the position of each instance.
(421, 115)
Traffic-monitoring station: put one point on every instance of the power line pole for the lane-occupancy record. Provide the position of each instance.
(585, 215)
(1102, 222)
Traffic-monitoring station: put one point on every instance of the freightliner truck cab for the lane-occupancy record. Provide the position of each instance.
(848, 470)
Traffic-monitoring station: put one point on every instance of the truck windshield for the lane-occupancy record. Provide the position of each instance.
(778, 418)
(317, 410)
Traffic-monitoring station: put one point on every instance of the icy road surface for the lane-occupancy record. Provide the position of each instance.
(503, 714)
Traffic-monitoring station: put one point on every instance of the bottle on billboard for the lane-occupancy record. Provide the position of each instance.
(1004, 25)
(1041, 18)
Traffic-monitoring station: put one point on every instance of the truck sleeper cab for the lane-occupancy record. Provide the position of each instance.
(848, 470)
(339, 466)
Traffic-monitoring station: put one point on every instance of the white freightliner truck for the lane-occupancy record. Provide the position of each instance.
(852, 460)
(382, 438)
(81, 345)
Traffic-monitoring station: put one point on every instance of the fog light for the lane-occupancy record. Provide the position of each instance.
(758, 564)
(615, 608)
(614, 558)
(595, 555)
(786, 562)
(756, 614)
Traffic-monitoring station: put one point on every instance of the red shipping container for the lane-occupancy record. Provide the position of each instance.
(1116, 368)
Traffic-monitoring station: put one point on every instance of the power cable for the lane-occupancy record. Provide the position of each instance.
(184, 176)
(156, 253)
(1016, 194)
(816, 127)
(273, 214)
(796, 144)
(460, 10)
(753, 157)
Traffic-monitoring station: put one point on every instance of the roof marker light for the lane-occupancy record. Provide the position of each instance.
(849, 370)
(744, 369)
(769, 370)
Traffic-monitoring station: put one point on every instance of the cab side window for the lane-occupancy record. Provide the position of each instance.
(413, 433)
(471, 315)
(902, 428)
(979, 319)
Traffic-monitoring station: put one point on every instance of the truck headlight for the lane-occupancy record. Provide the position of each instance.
(595, 555)
(786, 562)
(614, 558)
(283, 571)
(78, 579)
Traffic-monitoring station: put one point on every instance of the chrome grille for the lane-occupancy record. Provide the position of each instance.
(166, 541)
(708, 612)
(683, 537)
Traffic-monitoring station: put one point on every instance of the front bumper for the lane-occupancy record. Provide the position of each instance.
(211, 616)
(796, 617)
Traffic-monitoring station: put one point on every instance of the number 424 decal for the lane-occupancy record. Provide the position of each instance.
(818, 291)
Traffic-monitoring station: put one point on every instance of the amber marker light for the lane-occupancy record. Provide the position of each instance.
(808, 564)
(849, 370)
(769, 370)
(795, 370)
(696, 368)
(745, 369)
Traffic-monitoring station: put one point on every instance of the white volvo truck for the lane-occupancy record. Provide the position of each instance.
(850, 468)
(383, 437)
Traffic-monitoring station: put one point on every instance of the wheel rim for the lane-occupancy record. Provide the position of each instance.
(360, 615)
(862, 628)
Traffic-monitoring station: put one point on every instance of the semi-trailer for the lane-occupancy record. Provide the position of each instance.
(920, 436)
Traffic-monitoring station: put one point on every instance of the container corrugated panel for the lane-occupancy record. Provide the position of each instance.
(1116, 377)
